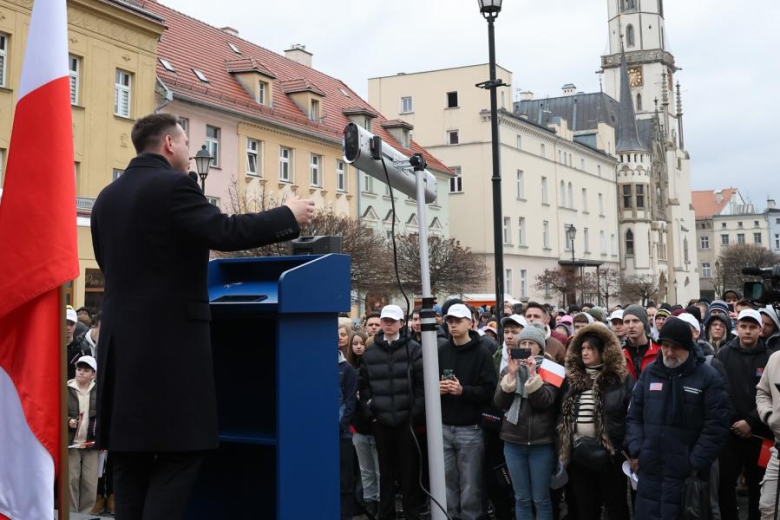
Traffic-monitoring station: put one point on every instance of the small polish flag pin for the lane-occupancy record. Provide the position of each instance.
(552, 373)
(656, 387)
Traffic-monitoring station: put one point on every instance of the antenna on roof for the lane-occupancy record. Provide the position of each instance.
(600, 73)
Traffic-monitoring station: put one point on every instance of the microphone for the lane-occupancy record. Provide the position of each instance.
(753, 271)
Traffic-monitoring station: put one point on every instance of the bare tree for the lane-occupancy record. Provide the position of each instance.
(370, 259)
(728, 272)
(606, 285)
(639, 288)
(564, 281)
(454, 269)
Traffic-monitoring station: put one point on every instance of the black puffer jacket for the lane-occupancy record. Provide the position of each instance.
(384, 385)
(612, 392)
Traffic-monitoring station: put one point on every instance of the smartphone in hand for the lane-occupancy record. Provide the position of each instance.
(520, 353)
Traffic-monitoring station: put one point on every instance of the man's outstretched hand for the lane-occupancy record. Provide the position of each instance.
(303, 210)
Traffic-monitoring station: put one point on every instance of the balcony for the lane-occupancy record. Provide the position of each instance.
(84, 206)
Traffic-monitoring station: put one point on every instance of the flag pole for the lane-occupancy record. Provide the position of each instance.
(64, 488)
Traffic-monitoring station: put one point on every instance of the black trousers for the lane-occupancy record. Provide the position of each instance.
(739, 454)
(154, 486)
(593, 489)
(347, 470)
(500, 494)
(106, 482)
(397, 459)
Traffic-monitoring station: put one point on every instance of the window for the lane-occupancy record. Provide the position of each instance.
(613, 245)
(198, 74)
(724, 240)
(452, 137)
(582, 164)
(452, 100)
(368, 183)
(544, 190)
(777, 241)
(598, 169)
(706, 270)
(234, 48)
(184, 123)
(508, 280)
(74, 79)
(585, 200)
(704, 242)
(756, 238)
(456, 181)
(542, 150)
(546, 234)
(723, 225)
(116, 173)
(523, 283)
(314, 171)
(638, 102)
(562, 195)
(567, 241)
(285, 157)
(740, 238)
(252, 148)
(685, 251)
(122, 91)
(212, 144)
(519, 142)
(214, 201)
(586, 239)
(629, 242)
(640, 196)
(755, 223)
(520, 184)
(627, 196)
(406, 104)
(521, 231)
(167, 64)
(630, 36)
(314, 110)
(507, 230)
(739, 225)
(601, 204)
(570, 191)
(3, 58)
(603, 242)
(262, 93)
(341, 176)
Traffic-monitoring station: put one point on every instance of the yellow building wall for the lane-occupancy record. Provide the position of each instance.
(104, 38)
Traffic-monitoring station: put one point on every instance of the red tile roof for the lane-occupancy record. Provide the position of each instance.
(248, 65)
(191, 44)
(705, 203)
(291, 86)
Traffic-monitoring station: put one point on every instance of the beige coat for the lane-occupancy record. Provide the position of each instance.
(768, 396)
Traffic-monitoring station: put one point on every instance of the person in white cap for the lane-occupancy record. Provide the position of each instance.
(82, 419)
(74, 349)
(616, 324)
(467, 382)
(392, 402)
(744, 359)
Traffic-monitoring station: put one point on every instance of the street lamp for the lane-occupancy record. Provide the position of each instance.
(675, 291)
(203, 163)
(571, 233)
(490, 10)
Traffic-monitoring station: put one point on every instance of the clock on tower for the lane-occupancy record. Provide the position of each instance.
(635, 77)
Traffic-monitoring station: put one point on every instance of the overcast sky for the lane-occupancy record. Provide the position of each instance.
(728, 52)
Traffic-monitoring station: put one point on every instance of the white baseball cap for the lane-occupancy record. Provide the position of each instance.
(458, 310)
(392, 312)
(70, 315)
(515, 318)
(691, 320)
(88, 360)
(751, 314)
(616, 315)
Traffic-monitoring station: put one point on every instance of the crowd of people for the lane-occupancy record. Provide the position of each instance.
(581, 413)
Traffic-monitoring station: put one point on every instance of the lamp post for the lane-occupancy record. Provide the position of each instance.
(490, 10)
(571, 233)
(203, 163)
(675, 291)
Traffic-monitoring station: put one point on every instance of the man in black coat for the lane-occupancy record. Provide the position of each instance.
(152, 230)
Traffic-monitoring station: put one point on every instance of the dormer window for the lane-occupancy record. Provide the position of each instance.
(167, 65)
(234, 48)
(200, 75)
(405, 140)
(262, 92)
(344, 92)
(314, 110)
(367, 123)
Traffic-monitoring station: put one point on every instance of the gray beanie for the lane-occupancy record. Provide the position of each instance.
(639, 312)
(533, 332)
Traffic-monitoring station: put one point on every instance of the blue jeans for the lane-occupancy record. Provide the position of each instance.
(464, 452)
(365, 446)
(531, 468)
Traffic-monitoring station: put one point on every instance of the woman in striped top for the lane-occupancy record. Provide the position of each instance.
(595, 407)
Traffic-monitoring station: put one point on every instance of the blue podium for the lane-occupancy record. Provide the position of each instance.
(274, 337)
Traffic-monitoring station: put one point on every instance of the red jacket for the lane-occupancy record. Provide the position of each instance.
(649, 357)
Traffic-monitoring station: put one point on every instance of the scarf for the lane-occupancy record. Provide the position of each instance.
(513, 414)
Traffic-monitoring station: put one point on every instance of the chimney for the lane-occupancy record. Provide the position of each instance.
(230, 31)
(299, 54)
(718, 196)
(770, 203)
(526, 95)
(569, 89)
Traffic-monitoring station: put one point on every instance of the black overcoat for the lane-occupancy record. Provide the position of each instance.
(152, 230)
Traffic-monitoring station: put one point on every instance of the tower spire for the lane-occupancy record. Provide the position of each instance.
(628, 135)
(680, 116)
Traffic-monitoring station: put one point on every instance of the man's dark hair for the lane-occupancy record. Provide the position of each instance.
(744, 302)
(149, 130)
(581, 318)
(588, 304)
(373, 315)
(417, 310)
(85, 309)
(536, 305)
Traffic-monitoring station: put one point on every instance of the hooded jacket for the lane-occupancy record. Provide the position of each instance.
(678, 422)
(74, 410)
(726, 322)
(384, 385)
(473, 365)
(611, 392)
(744, 368)
(773, 341)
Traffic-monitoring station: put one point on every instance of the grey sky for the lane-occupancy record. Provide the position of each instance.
(728, 53)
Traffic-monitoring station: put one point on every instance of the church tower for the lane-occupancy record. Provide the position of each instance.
(640, 73)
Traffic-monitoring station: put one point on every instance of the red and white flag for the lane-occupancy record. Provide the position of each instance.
(39, 254)
(552, 372)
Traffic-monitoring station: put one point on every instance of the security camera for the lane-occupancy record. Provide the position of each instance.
(365, 151)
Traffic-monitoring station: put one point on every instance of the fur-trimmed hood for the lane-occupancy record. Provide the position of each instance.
(614, 360)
